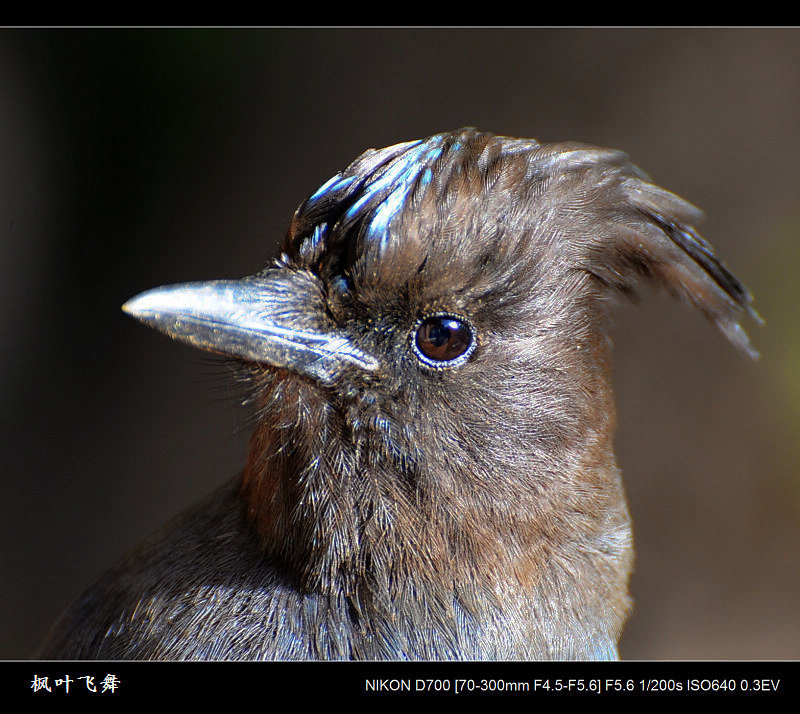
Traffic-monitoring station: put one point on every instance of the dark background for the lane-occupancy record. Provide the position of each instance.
(134, 158)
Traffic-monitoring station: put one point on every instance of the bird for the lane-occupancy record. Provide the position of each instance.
(431, 474)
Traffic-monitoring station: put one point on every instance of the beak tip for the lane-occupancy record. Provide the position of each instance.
(136, 306)
(152, 302)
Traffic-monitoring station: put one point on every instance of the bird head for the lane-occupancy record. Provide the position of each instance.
(431, 362)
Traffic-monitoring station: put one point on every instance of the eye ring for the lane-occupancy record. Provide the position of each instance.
(442, 340)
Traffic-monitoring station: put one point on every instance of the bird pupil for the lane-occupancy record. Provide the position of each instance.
(440, 334)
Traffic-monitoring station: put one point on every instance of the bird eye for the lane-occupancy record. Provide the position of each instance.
(443, 340)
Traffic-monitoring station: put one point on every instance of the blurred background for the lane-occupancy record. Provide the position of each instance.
(134, 158)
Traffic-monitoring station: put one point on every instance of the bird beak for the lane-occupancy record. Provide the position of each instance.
(276, 318)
